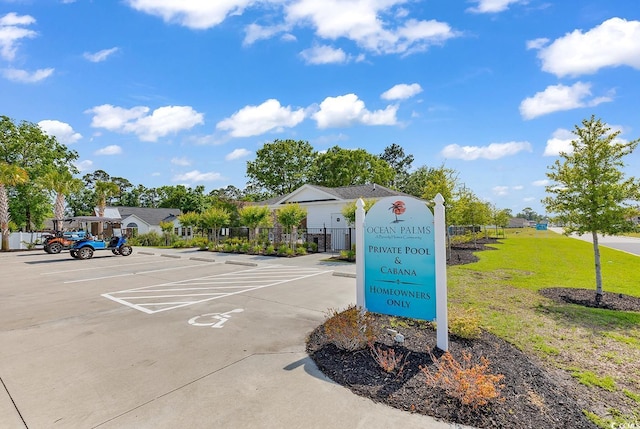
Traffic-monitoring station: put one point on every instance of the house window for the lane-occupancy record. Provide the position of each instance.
(132, 229)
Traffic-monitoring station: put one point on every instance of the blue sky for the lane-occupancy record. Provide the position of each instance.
(168, 92)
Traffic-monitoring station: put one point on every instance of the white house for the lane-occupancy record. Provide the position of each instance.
(141, 220)
(324, 205)
(325, 225)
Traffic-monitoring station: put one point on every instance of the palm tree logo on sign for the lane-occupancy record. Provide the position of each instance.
(398, 208)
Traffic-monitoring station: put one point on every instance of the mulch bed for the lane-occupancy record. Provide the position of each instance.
(587, 298)
(530, 398)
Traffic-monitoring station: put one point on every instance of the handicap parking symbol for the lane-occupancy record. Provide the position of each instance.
(214, 320)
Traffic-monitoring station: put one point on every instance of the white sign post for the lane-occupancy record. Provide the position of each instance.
(441, 274)
(391, 252)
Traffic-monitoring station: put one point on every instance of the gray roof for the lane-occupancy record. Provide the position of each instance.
(361, 191)
(347, 193)
(153, 216)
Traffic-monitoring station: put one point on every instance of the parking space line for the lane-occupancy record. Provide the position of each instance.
(93, 268)
(219, 287)
(133, 273)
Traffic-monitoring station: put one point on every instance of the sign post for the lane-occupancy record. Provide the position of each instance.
(401, 260)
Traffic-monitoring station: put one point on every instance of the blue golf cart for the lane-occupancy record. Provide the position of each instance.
(85, 248)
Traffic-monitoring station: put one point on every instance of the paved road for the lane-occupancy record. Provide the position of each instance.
(626, 244)
(173, 339)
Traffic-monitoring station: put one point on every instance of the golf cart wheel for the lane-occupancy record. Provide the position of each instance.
(85, 253)
(125, 250)
(74, 253)
(46, 248)
(115, 251)
(55, 248)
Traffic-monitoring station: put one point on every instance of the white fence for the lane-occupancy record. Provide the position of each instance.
(24, 240)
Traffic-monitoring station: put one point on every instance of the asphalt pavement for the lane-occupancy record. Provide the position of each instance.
(626, 244)
(174, 339)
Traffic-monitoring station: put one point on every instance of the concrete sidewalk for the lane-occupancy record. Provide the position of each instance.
(72, 359)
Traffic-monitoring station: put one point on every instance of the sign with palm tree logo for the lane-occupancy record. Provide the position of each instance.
(399, 258)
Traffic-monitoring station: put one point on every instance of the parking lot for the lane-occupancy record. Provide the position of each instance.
(172, 339)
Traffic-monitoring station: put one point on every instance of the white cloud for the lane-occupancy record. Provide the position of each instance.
(255, 32)
(560, 97)
(492, 6)
(237, 154)
(148, 127)
(401, 91)
(12, 30)
(501, 190)
(324, 55)
(537, 43)
(84, 165)
(109, 150)
(543, 182)
(100, 55)
(380, 26)
(255, 120)
(23, 76)
(196, 176)
(196, 14)
(346, 110)
(63, 132)
(364, 23)
(183, 162)
(559, 142)
(561, 139)
(614, 43)
(492, 151)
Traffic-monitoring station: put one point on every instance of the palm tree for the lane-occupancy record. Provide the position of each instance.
(10, 175)
(104, 191)
(62, 183)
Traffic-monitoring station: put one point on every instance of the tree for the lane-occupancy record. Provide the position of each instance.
(499, 217)
(529, 214)
(281, 167)
(427, 182)
(189, 219)
(62, 183)
(104, 191)
(394, 156)
(27, 146)
(290, 217)
(10, 175)
(167, 229)
(590, 193)
(123, 186)
(345, 167)
(213, 219)
(349, 210)
(84, 201)
(186, 199)
(254, 217)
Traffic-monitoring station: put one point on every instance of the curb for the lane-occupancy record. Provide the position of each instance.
(248, 264)
(350, 275)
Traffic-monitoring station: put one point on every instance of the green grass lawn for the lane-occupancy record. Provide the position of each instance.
(599, 348)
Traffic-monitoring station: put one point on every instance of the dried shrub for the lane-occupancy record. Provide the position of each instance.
(387, 359)
(351, 329)
(472, 384)
(465, 323)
